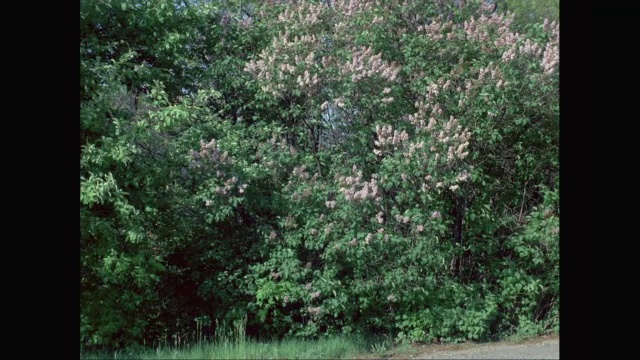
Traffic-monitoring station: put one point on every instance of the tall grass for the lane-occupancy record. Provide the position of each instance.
(232, 343)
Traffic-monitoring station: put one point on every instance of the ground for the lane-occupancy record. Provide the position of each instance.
(544, 347)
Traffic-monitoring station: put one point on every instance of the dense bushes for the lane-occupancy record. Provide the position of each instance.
(317, 167)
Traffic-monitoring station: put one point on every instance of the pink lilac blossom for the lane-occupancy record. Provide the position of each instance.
(314, 310)
(368, 238)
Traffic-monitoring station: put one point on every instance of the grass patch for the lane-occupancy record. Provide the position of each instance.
(336, 347)
(235, 345)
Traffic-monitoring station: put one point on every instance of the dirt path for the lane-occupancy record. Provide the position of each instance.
(546, 347)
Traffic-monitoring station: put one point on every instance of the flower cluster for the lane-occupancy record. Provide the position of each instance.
(339, 102)
(390, 140)
(530, 48)
(356, 190)
(448, 134)
(305, 13)
(287, 63)
(413, 148)
(209, 154)
(290, 222)
(314, 310)
(306, 63)
(403, 219)
(551, 55)
(368, 238)
(456, 138)
(228, 187)
(209, 157)
(364, 64)
(351, 7)
(446, 142)
(329, 228)
(490, 74)
(506, 39)
(301, 172)
(551, 58)
(300, 195)
(309, 13)
(478, 29)
(388, 136)
(436, 29)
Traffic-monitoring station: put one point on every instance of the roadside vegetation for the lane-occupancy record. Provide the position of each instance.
(301, 179)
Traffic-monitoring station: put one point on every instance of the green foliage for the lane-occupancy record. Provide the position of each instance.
(534, 288)
(309, 169)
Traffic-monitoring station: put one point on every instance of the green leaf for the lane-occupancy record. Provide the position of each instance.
(208, 218)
